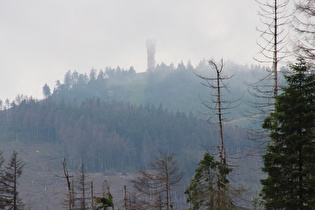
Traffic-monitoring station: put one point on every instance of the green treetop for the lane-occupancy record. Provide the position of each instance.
(209, 189)
(290, 159)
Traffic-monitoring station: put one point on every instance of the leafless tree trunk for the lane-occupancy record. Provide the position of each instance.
(219, 109)
(153, 186)
(273, 44)
(304, 24)
(125, 197)
(92, 195)
(273, 40)
(67, 177)
(70, 192)
(81, 187)
(219, 102)
(217, 105)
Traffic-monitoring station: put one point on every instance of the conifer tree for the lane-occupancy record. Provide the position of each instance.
(205, 189)
(290, 159)
(46, 91)
(106, 200)
(2, 200)
(9, 183)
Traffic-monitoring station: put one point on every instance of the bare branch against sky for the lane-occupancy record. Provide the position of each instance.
(41, 40)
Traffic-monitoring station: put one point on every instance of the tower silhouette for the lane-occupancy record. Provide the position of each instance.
(150, 44)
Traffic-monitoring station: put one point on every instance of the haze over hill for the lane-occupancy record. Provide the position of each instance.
(118, 99)
(116, 121)
(40, 41)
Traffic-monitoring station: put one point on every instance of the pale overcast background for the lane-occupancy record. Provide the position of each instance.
(40, 40)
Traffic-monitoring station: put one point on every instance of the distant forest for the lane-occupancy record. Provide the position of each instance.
(176, 88)
(118, 120)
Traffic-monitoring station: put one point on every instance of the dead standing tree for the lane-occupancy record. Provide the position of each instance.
(217, 105)
(153, 185)
(304, 24)
(70, 189)
(67, 177)
(272, 42)
(220, 108)
(81, 188)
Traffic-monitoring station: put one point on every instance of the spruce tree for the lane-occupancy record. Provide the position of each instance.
(2, 191)
(290, 159)
(9, 182)
(205, 189)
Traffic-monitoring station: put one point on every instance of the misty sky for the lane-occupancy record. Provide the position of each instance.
(42, 39)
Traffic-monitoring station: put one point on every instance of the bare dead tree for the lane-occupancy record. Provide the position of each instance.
(92, 195)
(125, 197)
(70, 191)
(82, 188)
(153, 185)
(273, 42)
(219, 109)
(304, 24)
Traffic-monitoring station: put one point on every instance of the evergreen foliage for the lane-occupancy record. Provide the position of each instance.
(2, 190)
(175, 88)
(9, 183)
(104, 201)
(290, 159)
(209, 187)
(46, 91)
(109, 136)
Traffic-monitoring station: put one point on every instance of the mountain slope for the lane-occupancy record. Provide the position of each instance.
(117, 121)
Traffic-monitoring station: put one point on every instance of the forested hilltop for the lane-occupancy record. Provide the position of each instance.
(176, 88)
(117, 120)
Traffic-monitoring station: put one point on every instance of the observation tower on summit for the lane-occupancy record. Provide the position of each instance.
(150, 44)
